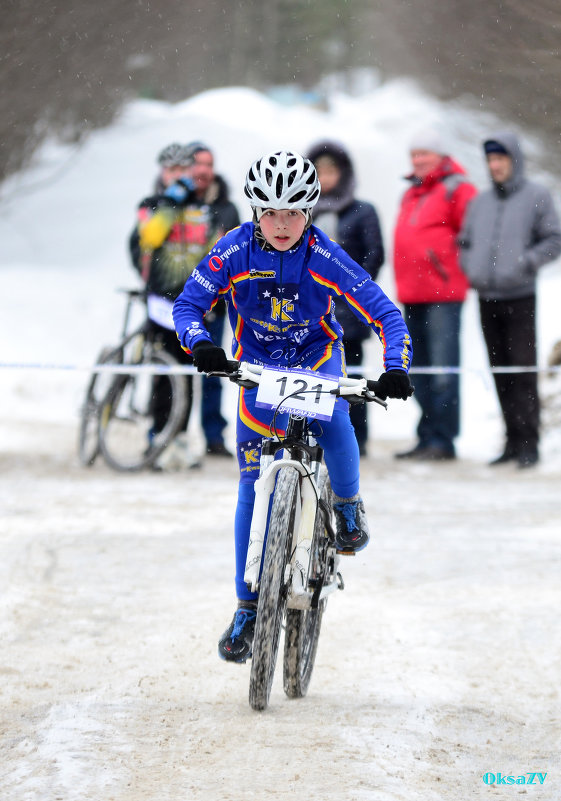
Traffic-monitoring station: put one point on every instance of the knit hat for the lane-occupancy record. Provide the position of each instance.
(428, 139)
(197, 147)
(491, 146)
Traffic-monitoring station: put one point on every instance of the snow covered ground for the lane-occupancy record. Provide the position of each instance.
(438, 664)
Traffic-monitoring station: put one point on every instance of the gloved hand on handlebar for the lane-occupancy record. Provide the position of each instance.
(394, 384)
(209, 358)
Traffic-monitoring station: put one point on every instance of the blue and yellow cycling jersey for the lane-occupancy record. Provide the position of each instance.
(280, 304)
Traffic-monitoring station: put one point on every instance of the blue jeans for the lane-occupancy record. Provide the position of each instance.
(435, 332)
(212, 421)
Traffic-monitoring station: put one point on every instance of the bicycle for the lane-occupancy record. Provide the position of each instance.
(550, 390)
(292, 561)
(118, 411)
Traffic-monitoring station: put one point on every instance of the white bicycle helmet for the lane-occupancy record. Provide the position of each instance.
(175, 155)
(282, 180)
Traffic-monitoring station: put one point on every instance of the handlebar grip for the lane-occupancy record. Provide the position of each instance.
(374, 386)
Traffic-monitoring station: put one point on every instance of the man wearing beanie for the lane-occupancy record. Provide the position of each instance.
(510, 231)
(432, 287)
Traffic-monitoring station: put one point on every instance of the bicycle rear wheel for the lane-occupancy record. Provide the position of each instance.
(88, 434)
(303, 626)
(273, 587)
(126, 420)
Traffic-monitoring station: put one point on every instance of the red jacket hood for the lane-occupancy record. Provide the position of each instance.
(446, 167)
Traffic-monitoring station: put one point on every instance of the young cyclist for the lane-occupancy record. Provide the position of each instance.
(279, 275)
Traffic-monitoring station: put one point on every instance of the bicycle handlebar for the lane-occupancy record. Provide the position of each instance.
(354, 390)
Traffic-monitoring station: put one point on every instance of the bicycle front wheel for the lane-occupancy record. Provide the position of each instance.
(273, 587)
(126, 418)
(88, 434)
(303, 625)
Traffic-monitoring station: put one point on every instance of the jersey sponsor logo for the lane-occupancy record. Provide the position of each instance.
(283, 354)
(216, 262)
(202, 281)
(194, 328)
(261, 274)
(321, 251)
(344, 267)
(406, 352)
(249, 455)
(280, 309)
(331, 257)
(264, 337)
(300, 336)
(252, 456)
(264, 324)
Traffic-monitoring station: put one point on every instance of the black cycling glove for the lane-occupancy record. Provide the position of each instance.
(394, 384)
(209, 358)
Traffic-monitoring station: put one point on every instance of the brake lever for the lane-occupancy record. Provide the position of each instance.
(371, 396)
(367, 396)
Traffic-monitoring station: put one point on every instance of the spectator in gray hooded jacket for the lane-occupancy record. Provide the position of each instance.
(509, 232)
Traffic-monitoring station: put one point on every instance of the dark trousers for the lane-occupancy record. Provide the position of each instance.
(212, 420)
(359, 419)
(509, 329)
(161, 387)
(435, 334)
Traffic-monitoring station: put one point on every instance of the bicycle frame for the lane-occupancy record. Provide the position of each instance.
(308, 467)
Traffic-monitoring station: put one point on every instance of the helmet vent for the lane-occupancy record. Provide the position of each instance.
(282, 180)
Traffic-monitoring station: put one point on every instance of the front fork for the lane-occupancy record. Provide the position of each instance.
(264, 487)
(300, 597)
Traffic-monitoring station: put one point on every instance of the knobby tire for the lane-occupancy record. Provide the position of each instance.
(125, 418)
(303, 626)
(88, 434)
(272, 588)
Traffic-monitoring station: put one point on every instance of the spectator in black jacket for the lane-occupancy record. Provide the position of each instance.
(355, 226)
(175, 227)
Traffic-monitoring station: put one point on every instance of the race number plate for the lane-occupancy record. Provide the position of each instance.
(298, 391)
(160, 310)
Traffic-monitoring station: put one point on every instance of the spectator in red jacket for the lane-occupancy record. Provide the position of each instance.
(432, 287)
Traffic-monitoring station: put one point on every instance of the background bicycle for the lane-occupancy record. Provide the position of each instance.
(550, 389)
(117, 417)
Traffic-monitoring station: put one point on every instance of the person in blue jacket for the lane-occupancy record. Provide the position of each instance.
(279, 276)
(355, 225)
